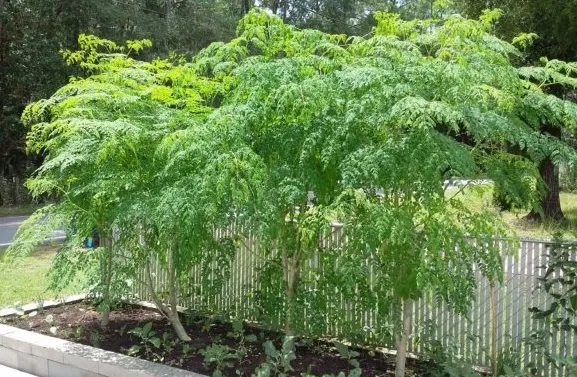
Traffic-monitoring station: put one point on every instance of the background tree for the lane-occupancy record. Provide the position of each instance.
(554, 24)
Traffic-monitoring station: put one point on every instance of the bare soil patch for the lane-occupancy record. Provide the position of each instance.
(79, 322)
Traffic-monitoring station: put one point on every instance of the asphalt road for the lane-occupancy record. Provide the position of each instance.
(9, 226)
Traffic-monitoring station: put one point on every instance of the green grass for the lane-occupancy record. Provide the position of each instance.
(26, 280)
(22, 210)
(479, 198)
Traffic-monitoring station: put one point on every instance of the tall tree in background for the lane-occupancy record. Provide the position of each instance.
(351, 17)
(555, 23)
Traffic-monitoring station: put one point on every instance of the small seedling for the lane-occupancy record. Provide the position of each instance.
(40, 305)
(49, 319)
(220, 355)
(155, 347)
(277, 361)
(349, 355)
(186, 349)
(238, 332)
(207, 325)
(78, 332)
(95, 338)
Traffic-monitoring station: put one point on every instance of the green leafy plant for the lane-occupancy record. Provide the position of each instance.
(559, 283)
(39, 304)
(152, 345)
(351, 357)
(509, 363)
(78, 332)
(155, 155)
(445, 361)
(278, 362)
(238, 332)
(221, 357)
(95, 338)
(186, 351)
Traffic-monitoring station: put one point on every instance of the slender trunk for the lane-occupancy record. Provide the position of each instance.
(170, 20)
(106, 243)
(172, 291)
(169, 312)
(291, 276)
(245, 7)
(494, 360)
(284, 10)
(402, 340)
(2, 6)
(274, 6)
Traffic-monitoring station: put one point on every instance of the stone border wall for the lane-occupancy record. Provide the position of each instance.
(45, 356)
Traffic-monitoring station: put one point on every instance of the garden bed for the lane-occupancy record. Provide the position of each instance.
(141, 332)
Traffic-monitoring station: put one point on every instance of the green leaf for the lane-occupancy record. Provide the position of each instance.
(134, 349)
(342, 349)
(156, 342)
(146, 329)
(270, 350)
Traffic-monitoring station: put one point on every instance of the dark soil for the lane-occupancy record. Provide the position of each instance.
(80, 323)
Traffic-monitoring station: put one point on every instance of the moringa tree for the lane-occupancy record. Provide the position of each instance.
(99, 136)
(400, 112)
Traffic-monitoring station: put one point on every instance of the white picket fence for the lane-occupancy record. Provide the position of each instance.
(469, 336)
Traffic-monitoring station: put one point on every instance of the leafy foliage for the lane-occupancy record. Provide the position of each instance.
(219, 355)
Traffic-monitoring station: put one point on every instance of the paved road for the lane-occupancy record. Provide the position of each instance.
(9, 226)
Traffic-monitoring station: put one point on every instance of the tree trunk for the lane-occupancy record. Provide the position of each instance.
(402, 340)
(291, 276)
(107, 244)
(170, 312)
(550, 203)
(274, 6)
(2, 6)
(172, 291)
(285, 10)
(245, 7)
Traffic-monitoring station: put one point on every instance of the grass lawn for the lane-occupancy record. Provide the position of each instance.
(26, 281)
(479, 198)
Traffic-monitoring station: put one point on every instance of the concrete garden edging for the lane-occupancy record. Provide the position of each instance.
(45, 356)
